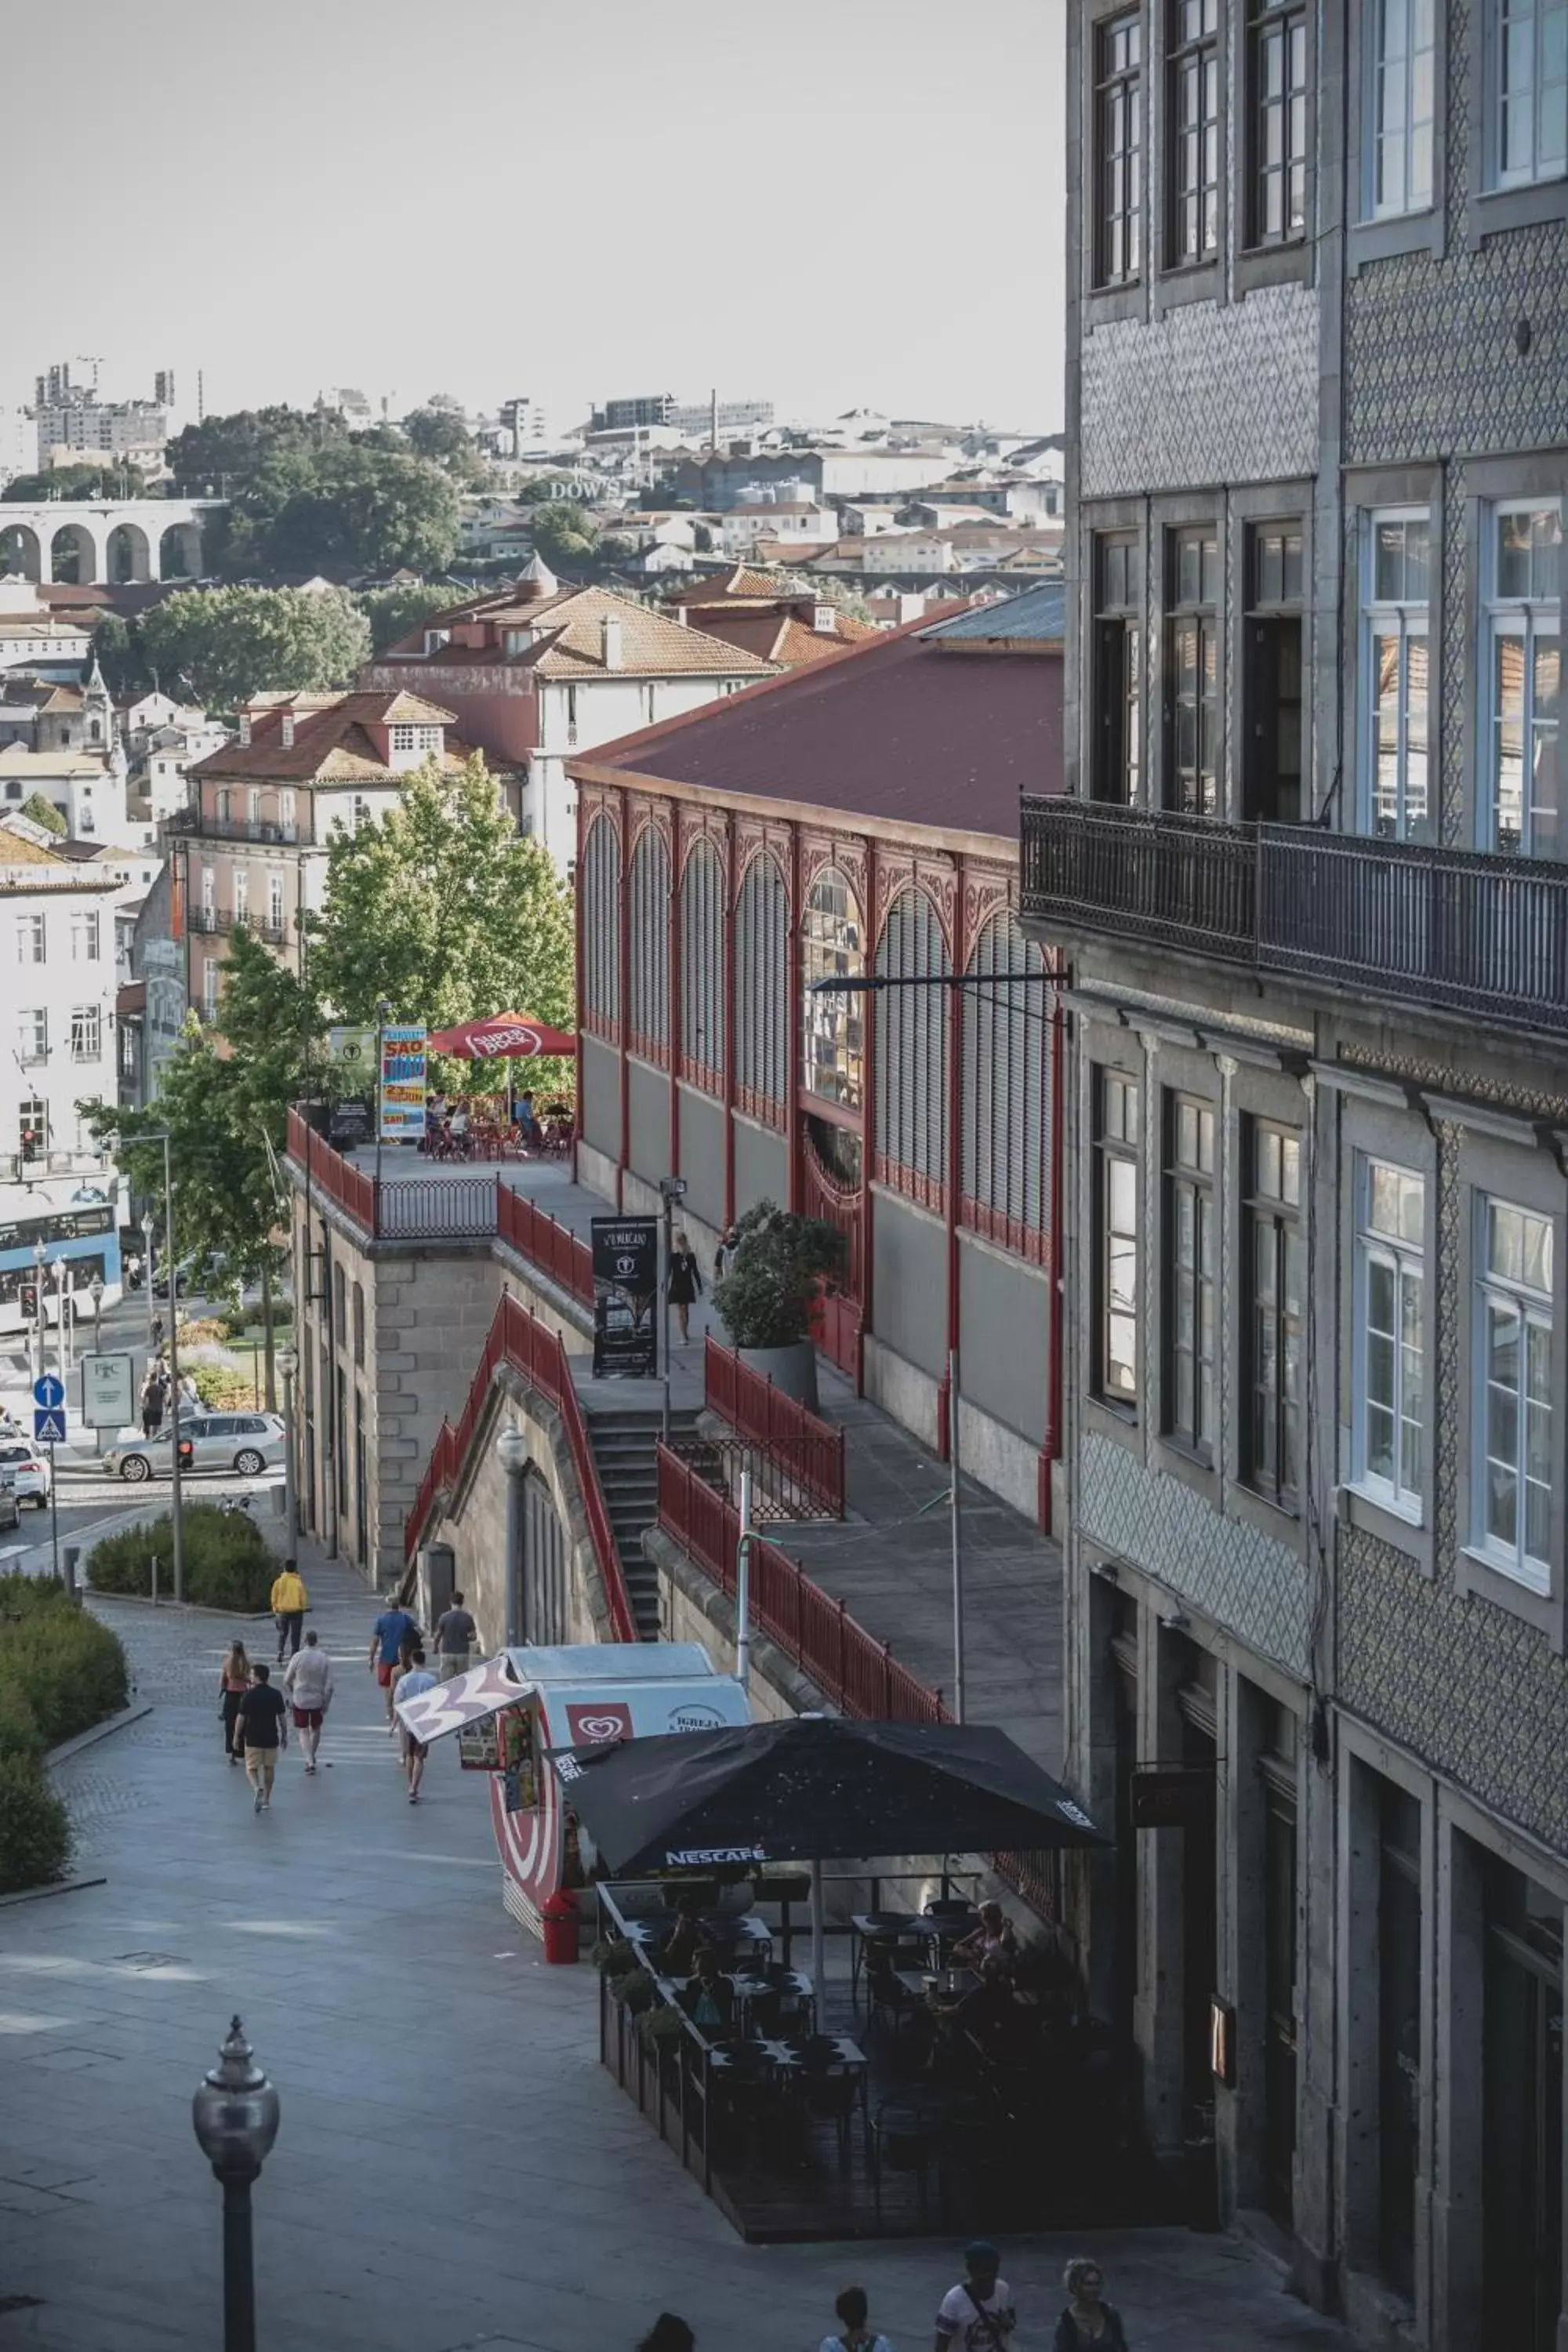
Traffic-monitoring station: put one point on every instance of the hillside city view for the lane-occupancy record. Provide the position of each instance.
(783, 1181)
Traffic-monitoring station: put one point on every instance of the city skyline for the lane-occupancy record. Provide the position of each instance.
(913, 312)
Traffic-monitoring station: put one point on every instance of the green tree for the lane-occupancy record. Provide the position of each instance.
(366, 511)
(83, 481)
(563, 534)
(443, 439)
(393, 612)
(223, 644)
(442, 911)
(118, 647)
(44, 812)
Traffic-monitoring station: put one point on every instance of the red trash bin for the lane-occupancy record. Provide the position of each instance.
(561, 1927)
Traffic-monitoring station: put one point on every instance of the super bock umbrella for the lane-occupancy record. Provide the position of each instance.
(811, 1787)
(503, 1036)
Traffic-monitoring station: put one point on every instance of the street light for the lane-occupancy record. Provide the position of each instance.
(147, 1273)
(512, 1453)
(63, 1285)
(95, 1292)
(160, 1135)
(234, 2111)
(287, 1361)
(39, 1319)
(382, 1014)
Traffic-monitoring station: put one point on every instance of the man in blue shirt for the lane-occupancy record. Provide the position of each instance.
(418, 1678)
(392, 1629)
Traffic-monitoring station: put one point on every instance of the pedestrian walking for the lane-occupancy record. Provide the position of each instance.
(853, 2334)
(289, 1601)
(308, 1679)
(190, 1395)
(263, 1728)
(669, 2334)
(456, 1636)
(683, 1282)
(392, 1629)
(234, 1681)
(158, 1333)
(721, 1256)
(152, 1404)
(977, 2315)
(1089, 2324)
(415, 1677)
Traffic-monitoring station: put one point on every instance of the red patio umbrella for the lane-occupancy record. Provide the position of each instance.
(504, 1036)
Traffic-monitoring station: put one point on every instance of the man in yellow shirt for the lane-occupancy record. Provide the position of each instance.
(289, 1603)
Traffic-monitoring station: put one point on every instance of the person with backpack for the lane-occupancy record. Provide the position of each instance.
(853, 2334)
(977, 2316)
(392, 1629)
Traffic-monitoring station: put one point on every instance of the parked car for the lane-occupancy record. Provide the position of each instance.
(10, 1509)
(25, 1471)
(249, 1443)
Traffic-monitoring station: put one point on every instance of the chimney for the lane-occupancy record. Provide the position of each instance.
(610, 641)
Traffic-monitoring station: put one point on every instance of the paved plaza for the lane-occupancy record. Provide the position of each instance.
(453, 2168)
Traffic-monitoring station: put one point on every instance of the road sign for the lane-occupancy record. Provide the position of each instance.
(48, 1425)
(48, 1392)
(108, 1390)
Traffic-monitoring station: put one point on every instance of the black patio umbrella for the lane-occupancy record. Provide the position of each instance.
(811, 1787)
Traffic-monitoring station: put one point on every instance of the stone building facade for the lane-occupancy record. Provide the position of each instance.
(1317, 1200)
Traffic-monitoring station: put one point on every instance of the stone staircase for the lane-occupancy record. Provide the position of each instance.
(623, 1439)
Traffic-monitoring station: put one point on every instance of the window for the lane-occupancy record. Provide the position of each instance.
(702, 963)
(359, 1323)
(32, 939)
(650, 942)
(275, 902)
(1273, 1273)
(1271, 682)
(87, 1033)
(1118, 149)
(210, 974)
(761, 991)
(1194, 132)
(832, 1027)
(1192, 1271)
(1277, 121)
(224, 805)
(913, 1051)
(1528, 91)
(1115, 1125)
(406, 738)
(1511, 1484)
(32, 1126)
(33, 1035)
(601, 928)
(1397, 803)
(1116, 753)
(1400, 86)
(241, 884)
(1388, 1376)
(1192, 635)
(85, 936)
(210, 891)
(1006, 1102)
(1524, 661)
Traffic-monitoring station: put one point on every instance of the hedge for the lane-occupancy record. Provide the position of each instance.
(34, 1827)
(228, 1564)
(61, 1673)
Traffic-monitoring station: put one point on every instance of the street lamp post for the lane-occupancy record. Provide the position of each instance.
(40, 1320)
(511, 1449)
(147, 1277)
(234, 2111)
(95, 1292)
(288, 1363)
(382, 1014)
(63, 1285)
(171, 1260)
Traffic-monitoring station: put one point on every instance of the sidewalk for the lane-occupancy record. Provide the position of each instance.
(453, 2166)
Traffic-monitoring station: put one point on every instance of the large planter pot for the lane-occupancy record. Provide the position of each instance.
(792, 1370)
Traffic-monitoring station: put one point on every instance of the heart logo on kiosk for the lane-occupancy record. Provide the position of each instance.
(591, 1726)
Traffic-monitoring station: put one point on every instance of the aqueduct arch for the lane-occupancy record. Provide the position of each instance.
(105, 543)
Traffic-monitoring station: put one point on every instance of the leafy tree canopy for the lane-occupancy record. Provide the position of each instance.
(220, 644)
(563, 533)
(443, 439)
(84, 481)
(44, 812)
(393, 612)
(443, 911)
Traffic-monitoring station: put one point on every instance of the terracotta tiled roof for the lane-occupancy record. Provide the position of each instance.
(780, 638)
(741, 583)
(331, 743)
(16, 760)
(568, 639)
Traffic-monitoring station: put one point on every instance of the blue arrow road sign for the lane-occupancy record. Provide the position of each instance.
(48, 1428)
(48, 1392)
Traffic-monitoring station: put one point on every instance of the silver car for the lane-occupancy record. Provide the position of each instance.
(249, 1443)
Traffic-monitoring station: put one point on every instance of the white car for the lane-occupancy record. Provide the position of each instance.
(248, 1442)
(25, 1471)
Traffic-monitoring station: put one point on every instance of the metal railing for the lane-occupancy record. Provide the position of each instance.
(337, 1178)
(446, 1208)
(806, 1450)
(456, 1208)
(858, 1673)
(207, 827)
(1181, 881)
(538, 1354)
(554, 1248)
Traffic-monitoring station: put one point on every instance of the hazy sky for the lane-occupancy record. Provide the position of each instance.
(830, 203)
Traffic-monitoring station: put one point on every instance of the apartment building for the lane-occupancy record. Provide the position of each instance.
(1309, 874)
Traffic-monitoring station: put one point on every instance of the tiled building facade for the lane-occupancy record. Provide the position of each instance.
(1317, 1244)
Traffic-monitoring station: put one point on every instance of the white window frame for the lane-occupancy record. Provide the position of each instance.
(404, 738)
(32, 939)
(85, 937)
(1534, 1310)
(240, 884)
(1384, 75)
(1405, 621)
(1406, 1262)
(86, 1032)
(275, 901)
(1532, 18)
(1530, 620)
(33, 1033)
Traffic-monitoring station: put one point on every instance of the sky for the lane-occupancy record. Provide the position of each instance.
(837, 202)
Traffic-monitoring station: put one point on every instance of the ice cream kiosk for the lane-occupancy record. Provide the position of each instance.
(509, 1711)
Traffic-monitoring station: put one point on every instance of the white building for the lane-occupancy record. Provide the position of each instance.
(33, 634)
(789, 522)
(57, 945)
(18, 443)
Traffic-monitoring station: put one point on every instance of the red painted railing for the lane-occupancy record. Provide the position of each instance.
(331, 1174)
(808, 1451)
(550, 1247)
(538, 1354)
(855, 1670)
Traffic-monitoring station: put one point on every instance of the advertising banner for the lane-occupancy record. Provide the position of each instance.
(403, 1085)
(626, 1296)
(351, 1059)
(109, 1390)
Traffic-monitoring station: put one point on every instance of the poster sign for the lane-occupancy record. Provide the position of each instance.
(109, 1390)
(403, 1085)
(350, 1057)
(625, 1293)
(478, 1746)
(592, 1727)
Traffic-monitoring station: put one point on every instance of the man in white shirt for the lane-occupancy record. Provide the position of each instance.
(308, 1682)
(977, 2316)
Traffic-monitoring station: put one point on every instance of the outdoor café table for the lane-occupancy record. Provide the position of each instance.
(787, 1986)
(801, 2061)
(886, 1928)
(747, 1936)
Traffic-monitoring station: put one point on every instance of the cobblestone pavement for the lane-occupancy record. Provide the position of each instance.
(453, 2166)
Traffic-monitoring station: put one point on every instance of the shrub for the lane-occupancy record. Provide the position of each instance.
(68, 1669)
(778, 1260)
(223, 1389)
(34, 1827)
(19, 1733)
(228, 1564)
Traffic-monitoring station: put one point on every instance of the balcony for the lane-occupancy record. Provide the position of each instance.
(1398, 921)
(207, 827)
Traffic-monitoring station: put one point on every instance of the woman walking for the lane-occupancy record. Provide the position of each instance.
(853, 2334)
(684, 1281)
(1089, 2324)
(234, 1681)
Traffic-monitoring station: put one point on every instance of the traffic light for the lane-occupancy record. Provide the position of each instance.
(29, 1296)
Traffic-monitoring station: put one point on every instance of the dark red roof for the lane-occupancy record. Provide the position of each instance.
(896, 730)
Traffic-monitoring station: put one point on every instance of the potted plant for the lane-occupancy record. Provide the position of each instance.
(777, 1260)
